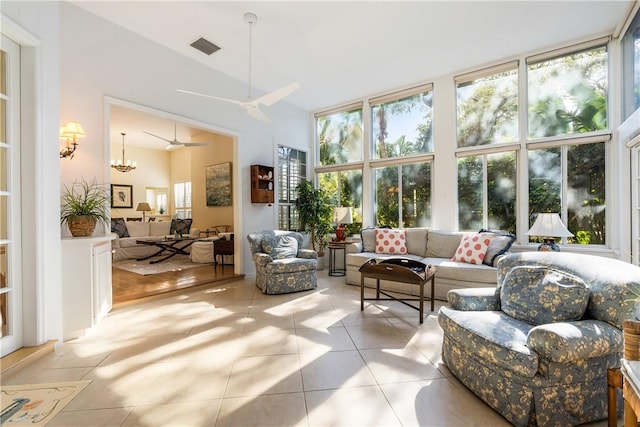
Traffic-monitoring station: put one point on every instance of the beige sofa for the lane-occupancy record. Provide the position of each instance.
(126, 247)
(433, 247)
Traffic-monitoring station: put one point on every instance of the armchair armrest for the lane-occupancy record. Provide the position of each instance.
(354, 248)
(115, 242)
(307, 253)
(474, 299)
(262, 259)
(565, 342)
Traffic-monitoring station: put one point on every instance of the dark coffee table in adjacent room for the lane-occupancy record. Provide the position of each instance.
(167, 245)
(398, 270)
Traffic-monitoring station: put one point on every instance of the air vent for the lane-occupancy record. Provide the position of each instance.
(205, 46)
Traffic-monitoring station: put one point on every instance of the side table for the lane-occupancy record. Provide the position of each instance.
(334, 269)
(222, 247)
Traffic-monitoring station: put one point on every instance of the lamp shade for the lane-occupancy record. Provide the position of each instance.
(342, 215)
(144, 206)
(549, 225)
(72, 130)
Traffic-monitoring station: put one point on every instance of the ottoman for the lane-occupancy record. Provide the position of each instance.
(202, 251)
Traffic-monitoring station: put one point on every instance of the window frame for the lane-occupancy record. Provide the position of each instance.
(288, 204)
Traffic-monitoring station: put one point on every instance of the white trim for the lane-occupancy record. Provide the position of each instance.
(396, 96)
(340, 109)
(15, 32)
(488, 71)
(567, 50)
(487, 149)
(623, 26)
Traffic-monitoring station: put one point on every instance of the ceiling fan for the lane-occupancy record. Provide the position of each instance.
(175, 142)
(252, 106)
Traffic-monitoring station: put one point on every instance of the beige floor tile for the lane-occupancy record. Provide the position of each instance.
(219, 344)
(194, 413)
(399, 365)
(252, 376)
(335, 369)
(98, 417)
(143, 350)
(376, 333)
(358, 406)
(259, 319)
(271, 410)
(269, 340)
(439, 402)
(41, 373)
(324, 339)
(319, 319)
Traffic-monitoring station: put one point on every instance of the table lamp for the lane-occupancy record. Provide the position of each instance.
(342, 216)
(549, 226)
(144, 207)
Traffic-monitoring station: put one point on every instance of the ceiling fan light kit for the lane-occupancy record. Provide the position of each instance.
(252, 107)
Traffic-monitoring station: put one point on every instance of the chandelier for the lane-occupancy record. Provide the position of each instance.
(122, 165)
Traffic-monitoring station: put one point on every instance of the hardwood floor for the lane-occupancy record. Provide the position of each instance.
(127, 286)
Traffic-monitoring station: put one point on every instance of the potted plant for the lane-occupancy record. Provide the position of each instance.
(315, 213)
(83, 205)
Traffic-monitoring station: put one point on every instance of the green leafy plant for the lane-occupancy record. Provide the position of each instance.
(315, 212)
(89, 201)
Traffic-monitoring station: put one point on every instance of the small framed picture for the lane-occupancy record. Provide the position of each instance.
(121, 196)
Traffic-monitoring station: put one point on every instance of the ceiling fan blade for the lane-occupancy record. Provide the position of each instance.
(164, 139)
(276, 95)
(257, 114)
(195, 144)
(233, 101)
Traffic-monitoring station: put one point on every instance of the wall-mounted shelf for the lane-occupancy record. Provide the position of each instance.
(262, 184)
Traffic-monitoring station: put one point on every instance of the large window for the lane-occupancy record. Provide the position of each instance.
(403, 195)
(403, 123)
(567, 94)
(631, 68)
(339, 135)
(580, 199)
(346, 189)
(182, 199)
(487, 192)
(487, 106)
(292, 169)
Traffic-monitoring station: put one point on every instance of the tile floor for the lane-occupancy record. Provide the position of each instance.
(231, 356)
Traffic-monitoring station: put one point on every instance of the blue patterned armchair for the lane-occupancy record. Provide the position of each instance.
(537, 347)
(282, 266)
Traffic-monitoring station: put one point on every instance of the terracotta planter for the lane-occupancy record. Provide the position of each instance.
(82, 226)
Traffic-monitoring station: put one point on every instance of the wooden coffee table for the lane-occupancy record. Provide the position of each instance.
(398, 270)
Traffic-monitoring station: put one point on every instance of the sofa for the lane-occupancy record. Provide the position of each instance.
(126, 233)
(537, 347)
(435, 247)
(282, 265)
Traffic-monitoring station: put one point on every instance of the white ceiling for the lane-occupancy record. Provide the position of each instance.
(341, 51)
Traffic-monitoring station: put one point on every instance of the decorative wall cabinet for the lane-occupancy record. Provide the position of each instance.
(262, 184)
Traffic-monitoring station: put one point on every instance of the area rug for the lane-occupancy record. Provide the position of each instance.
(36, 404)
(145, 268)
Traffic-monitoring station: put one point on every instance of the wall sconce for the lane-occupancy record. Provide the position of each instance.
(71, 132)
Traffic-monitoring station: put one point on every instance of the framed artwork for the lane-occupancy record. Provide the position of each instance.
(121, 196)
(218, 184)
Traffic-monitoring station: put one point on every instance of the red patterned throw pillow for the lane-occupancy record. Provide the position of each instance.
(390, 241)
(472, 248)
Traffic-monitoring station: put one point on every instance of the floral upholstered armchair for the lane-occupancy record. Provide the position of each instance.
(282, 266)
(537, 347)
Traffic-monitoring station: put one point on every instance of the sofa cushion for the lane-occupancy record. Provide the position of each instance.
(442, 244)
(138, 228)
(492, 336)
(416, 239)
(390, 241)
(472, 248)
(161, 228)
(368, 236)
(119, 227)
(283, 247)
(539, 295)
(500, 244)
(180, 226)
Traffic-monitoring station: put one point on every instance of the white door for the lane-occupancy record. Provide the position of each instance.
(10, 238)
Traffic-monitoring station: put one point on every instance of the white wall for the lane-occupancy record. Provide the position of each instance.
(37, 31)
(101, 59)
